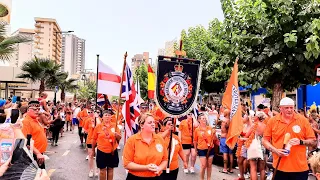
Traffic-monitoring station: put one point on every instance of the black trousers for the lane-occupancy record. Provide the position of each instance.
(280, 175)
(80, 134)
(55, 134)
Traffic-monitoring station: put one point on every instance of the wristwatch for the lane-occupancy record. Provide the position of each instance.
(301, 142)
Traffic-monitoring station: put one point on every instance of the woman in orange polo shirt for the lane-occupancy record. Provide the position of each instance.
(89, 125)
(145, 154)
(106, 135)
(204, 140)
(176, 149)
(186, 136)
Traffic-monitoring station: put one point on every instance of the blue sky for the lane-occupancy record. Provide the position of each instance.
(113, 27)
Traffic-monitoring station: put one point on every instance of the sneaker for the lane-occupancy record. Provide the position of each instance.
(91, 174)
(192, 170)
(97, 173)
(87, 158)
(247, 176)
(186, 171)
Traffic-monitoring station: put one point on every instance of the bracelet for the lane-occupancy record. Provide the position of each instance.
(301, 142)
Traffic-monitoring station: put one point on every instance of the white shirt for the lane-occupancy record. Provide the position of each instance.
(76, 112)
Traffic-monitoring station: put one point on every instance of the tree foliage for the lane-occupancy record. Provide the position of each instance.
(277, 42)
(40, 70)
(87, 90)
(142, 74)
(60, 79)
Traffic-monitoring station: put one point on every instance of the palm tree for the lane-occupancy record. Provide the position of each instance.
(8, 44)
(65, 85)
(40, 70)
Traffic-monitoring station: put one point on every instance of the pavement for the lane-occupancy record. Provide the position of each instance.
(68, 162)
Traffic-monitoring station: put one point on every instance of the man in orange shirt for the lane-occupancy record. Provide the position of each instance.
(293, 162)
(32, 129)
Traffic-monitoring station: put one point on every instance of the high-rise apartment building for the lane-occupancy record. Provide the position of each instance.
(48, 39)
(73, 54)
(139, 59)
(24, 51)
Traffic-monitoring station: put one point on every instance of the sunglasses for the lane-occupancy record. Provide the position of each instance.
(35, 109)
(90, 112)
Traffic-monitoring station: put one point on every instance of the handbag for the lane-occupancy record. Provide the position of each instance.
(255, 149)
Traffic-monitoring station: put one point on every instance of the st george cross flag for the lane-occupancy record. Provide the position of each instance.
(231, 100)
(130, 108)
(109, 81)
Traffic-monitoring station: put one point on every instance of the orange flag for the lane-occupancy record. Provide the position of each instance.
(151, 82)
(231, 100)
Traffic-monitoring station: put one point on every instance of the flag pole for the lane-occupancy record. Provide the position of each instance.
(97, 84)
(120, 90)
(179, 53)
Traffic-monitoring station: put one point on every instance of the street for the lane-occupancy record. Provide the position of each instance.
(67, 162)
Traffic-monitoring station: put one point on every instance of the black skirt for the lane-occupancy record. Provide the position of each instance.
(133, 177)
(107, 160)
(172, 175)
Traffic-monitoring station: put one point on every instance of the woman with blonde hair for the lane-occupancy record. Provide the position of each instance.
(145, 154)
(204, 140)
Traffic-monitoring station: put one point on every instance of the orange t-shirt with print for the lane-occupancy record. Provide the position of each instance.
(104, 143)
(178, 146)
(203, 137)
(140, 152)
(299, 128)
(32, 126)
(185, 129)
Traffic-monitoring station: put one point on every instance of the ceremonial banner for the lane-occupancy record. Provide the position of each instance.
(178, 82)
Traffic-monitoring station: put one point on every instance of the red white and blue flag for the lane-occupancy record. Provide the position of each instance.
(102, 99)
(130, 108)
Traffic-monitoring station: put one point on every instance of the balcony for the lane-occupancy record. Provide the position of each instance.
(37, 36)
(38, 25)
(37, 30)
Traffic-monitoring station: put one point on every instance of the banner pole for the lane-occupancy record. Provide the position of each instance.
(175, 118)
(120, 90)
(97, 84)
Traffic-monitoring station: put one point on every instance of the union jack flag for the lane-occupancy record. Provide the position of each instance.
(102, 100)
(130, 108)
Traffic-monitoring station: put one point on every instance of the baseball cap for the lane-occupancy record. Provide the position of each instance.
(2, 102)
(286, 102)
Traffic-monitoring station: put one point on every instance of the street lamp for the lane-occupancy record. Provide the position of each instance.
(56, 34)
(84, 78)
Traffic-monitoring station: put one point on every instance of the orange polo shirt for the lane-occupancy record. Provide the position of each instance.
(299, 128)
(140, 152)
(185, 129)
(32, 126)
(105, 144)
(81, 116)
(203, 137)
(90, 126)
(178, 146)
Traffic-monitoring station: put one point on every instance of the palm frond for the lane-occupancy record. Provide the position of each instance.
(3, 11)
